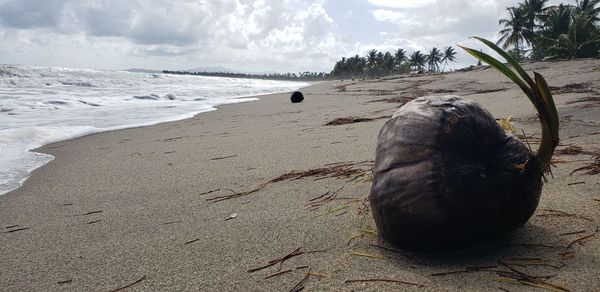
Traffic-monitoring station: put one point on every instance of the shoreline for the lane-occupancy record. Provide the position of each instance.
(142, 206)
(14, 184)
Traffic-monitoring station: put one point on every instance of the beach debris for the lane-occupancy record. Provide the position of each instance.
(572, 88)
(558, 213)
(232, 216)
(88, 213)
(209, 192)
(172, 222)
(224, 157)
(278, 273)
(509, 274)
(581, 240)
(127, 286)
(593, 168)
(192, 241)
(297, 97)
(488, 90)
(383, 280)
(352, 120)
(356, 171)
(438, 154)
(93, 222)
(17, 230)
(65, 282)
(300, 285)
(297, 252)
(506, 124)
(367, 255)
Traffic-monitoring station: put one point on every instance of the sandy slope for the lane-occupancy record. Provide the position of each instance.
(133, 206)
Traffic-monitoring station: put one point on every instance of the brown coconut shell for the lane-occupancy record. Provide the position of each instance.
(447, 175)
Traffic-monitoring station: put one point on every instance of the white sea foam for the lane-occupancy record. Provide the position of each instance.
(41, 105)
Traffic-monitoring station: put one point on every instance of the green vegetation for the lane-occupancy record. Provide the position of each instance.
(539, 32)
(377, 64)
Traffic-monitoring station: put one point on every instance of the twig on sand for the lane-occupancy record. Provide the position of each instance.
(125, 287)
(278, 273)
(336, 170)
(294, 253)
(192, 241)
(580, 240)
(209, 192)
(367, 255)
(18, 229)
(88, 213)
(384, 280)
(300, 285)
(224, 157)
(281, 260)
(558, 213)
(236, 195)
(352, 120)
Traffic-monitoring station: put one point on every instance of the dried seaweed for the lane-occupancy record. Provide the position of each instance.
(125, 287)
(384, 280)
(281, 260)
(278, 273)
(489, 90)
(581, 240)
(16, 230)
(89, 213)
(340, 170)
(511, 275)
(352, 120)
(592, 168)
(300, 285)
(224, 157)
(367, 255)
(558, 213)
(572, 88)
(209, 192)
(571, 150)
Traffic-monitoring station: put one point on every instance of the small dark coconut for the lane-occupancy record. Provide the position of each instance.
(447, 175)
(297, 97)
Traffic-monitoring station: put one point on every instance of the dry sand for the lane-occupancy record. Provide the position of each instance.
(132, 207)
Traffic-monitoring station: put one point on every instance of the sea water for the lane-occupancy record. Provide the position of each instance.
(42, 105)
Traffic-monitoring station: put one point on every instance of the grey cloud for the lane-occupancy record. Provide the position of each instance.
(31, 13)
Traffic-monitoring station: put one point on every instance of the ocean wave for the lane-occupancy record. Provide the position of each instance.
(41, 105)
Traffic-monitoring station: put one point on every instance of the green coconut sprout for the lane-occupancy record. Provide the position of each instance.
(536, 90)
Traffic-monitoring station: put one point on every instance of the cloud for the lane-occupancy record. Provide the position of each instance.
(250, 33)
(253, 35)
(401, 3)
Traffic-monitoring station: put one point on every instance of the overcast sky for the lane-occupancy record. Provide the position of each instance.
(254, 36)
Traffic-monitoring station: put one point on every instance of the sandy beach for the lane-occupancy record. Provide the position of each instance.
(265, 196)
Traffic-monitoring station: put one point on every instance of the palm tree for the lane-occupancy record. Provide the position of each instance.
(434, 59)
(533, 11)
(513, 32)
(417, 60)
(388, 63)
(400, 57)
(449, 56)
(589, 7)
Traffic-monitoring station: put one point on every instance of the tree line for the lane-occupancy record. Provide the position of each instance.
(377, 64)
(537, 31)
(301, 76)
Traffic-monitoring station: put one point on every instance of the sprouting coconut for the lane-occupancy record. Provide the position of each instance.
(446, 174)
